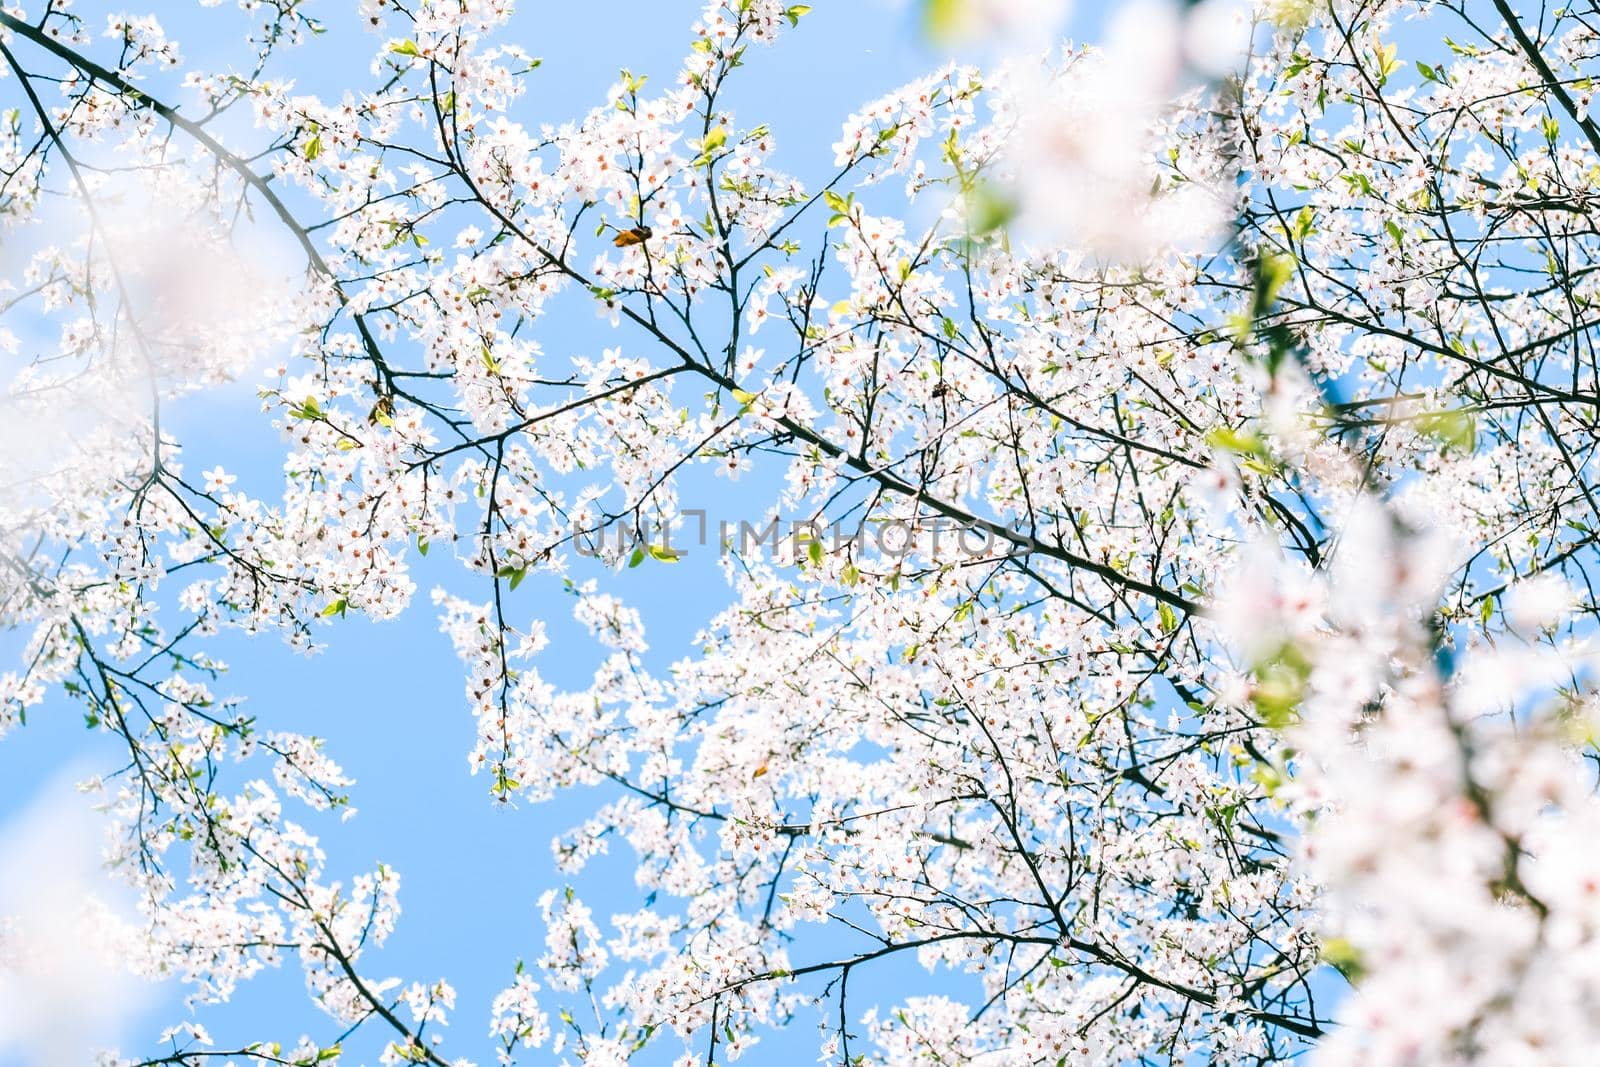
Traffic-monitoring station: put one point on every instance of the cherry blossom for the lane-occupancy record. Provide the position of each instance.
(1157, 610)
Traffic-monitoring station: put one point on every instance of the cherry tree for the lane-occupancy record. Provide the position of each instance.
(1159, 608)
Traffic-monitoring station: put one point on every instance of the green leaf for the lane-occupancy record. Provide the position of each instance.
(714, 140)
(637, 558)
(1273, 272)
(663, 553)
(338, 607)
(746, 399)
(314, 147)
(1291, 15)
(514, 574)
(1280, 685)
(1305, 223)
(1344, 957)
(1388, 64)
(405, 48)
(944, 20)
(1169, 618)
(1453, 429)
(795, 12)
(988, 209)
(1267, 777)
(1242, 442)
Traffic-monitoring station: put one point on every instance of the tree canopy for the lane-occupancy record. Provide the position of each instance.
(1159, 603)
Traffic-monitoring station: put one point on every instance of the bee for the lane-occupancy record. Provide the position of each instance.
(636, 236)
(940, 390)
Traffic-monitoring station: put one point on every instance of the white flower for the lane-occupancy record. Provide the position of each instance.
(218, 480)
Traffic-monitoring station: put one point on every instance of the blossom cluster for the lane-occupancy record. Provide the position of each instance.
(1251, 347)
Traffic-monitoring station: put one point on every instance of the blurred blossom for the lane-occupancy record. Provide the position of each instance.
(1383, 575)
(193, 306)
(1217, 36)
(1018, 24)
(1535, 603)
(66, 940)
(1084, 149)
(1286, 398)
(1266, 601)
(1494, 679)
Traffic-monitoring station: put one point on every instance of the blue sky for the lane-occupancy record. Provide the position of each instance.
(388, 697)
